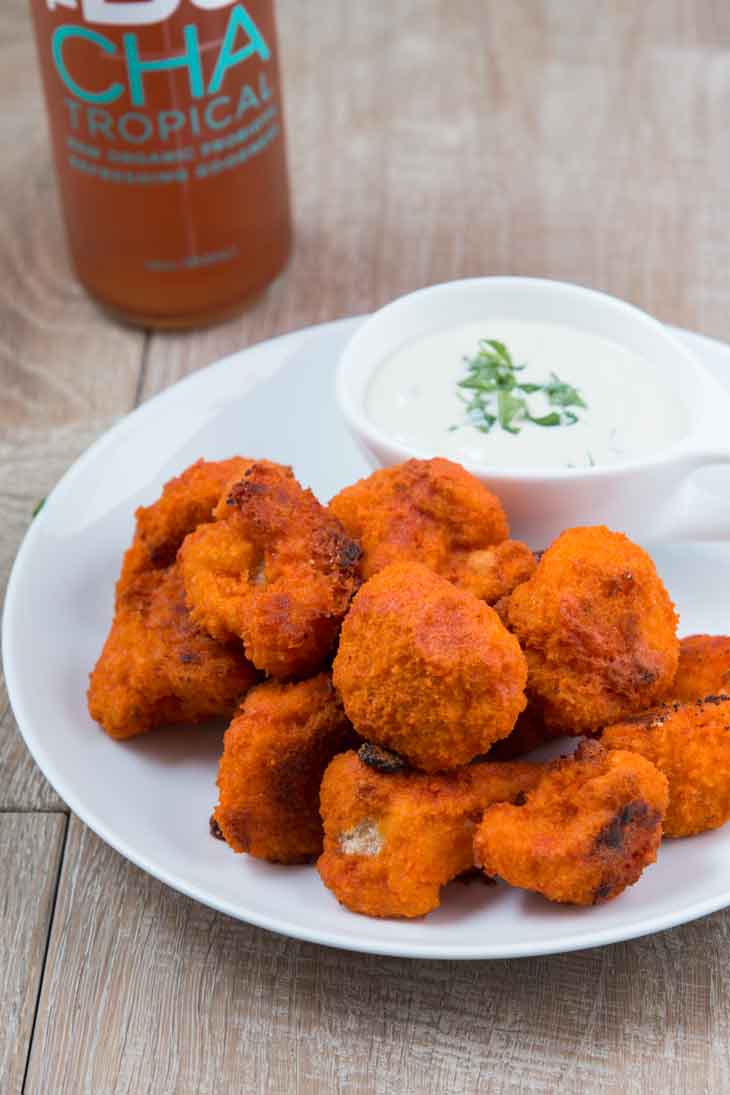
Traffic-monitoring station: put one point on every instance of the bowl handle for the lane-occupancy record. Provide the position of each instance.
(701, 513)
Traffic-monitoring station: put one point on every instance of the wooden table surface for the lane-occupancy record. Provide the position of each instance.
(428, 140)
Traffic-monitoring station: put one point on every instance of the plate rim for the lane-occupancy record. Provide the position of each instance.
(283, 345)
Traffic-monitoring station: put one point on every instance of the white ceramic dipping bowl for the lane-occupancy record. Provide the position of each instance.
(649, 498)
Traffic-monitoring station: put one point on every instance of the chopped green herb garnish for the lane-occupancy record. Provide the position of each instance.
(496, 395)
(509, 409)
(552, 419)
(38, 507)
(562, 395)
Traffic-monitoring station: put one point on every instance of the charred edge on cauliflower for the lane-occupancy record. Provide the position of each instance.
(382, 760)
(637, 813)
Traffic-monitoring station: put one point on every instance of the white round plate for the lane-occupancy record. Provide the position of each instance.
(151, 798)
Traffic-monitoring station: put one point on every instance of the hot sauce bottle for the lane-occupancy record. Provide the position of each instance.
(167, 131)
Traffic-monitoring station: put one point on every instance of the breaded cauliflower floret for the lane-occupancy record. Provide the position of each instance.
(690, 744)
(158, 668)
(436, 513)
(586, 832)
(274, 755)
(274, 569)
(393, 839)
(704, 667)
(428, 670)
(598, 630)
(186, 502)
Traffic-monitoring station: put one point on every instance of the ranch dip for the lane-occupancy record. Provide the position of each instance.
(599, 403)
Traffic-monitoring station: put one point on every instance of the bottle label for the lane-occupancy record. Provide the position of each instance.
(137, 115)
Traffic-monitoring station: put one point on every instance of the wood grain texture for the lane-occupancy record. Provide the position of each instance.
(30, 851)
(427, 141)
(65, 372)
(431, 141)
(166, 997)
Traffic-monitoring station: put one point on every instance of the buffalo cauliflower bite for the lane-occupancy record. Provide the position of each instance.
(426, 669)
(598, 630)
(274, 755)
(584, 834)
(274, 569)
(186, 502)
(436, 513)
(690, 744)
(393, 839)
(704, 667)
(158, 668)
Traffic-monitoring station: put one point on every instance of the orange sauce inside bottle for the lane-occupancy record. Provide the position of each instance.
(167, 129)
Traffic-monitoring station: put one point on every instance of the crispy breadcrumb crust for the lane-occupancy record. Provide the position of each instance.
(186, 501)
(426, 669)
(392, 840)
(586, 832)
(704, 667)
(436, 513)
(690, 744)
(598, 630)
(274, 755)
(494, 572)
(157, 668)
(275, 569)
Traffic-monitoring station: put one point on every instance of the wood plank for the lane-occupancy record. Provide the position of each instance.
(442, 141)
(427, 141)
(147, 992)
(65, 371)
(30, 852)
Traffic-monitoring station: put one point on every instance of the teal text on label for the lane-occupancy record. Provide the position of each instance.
(230, 56)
